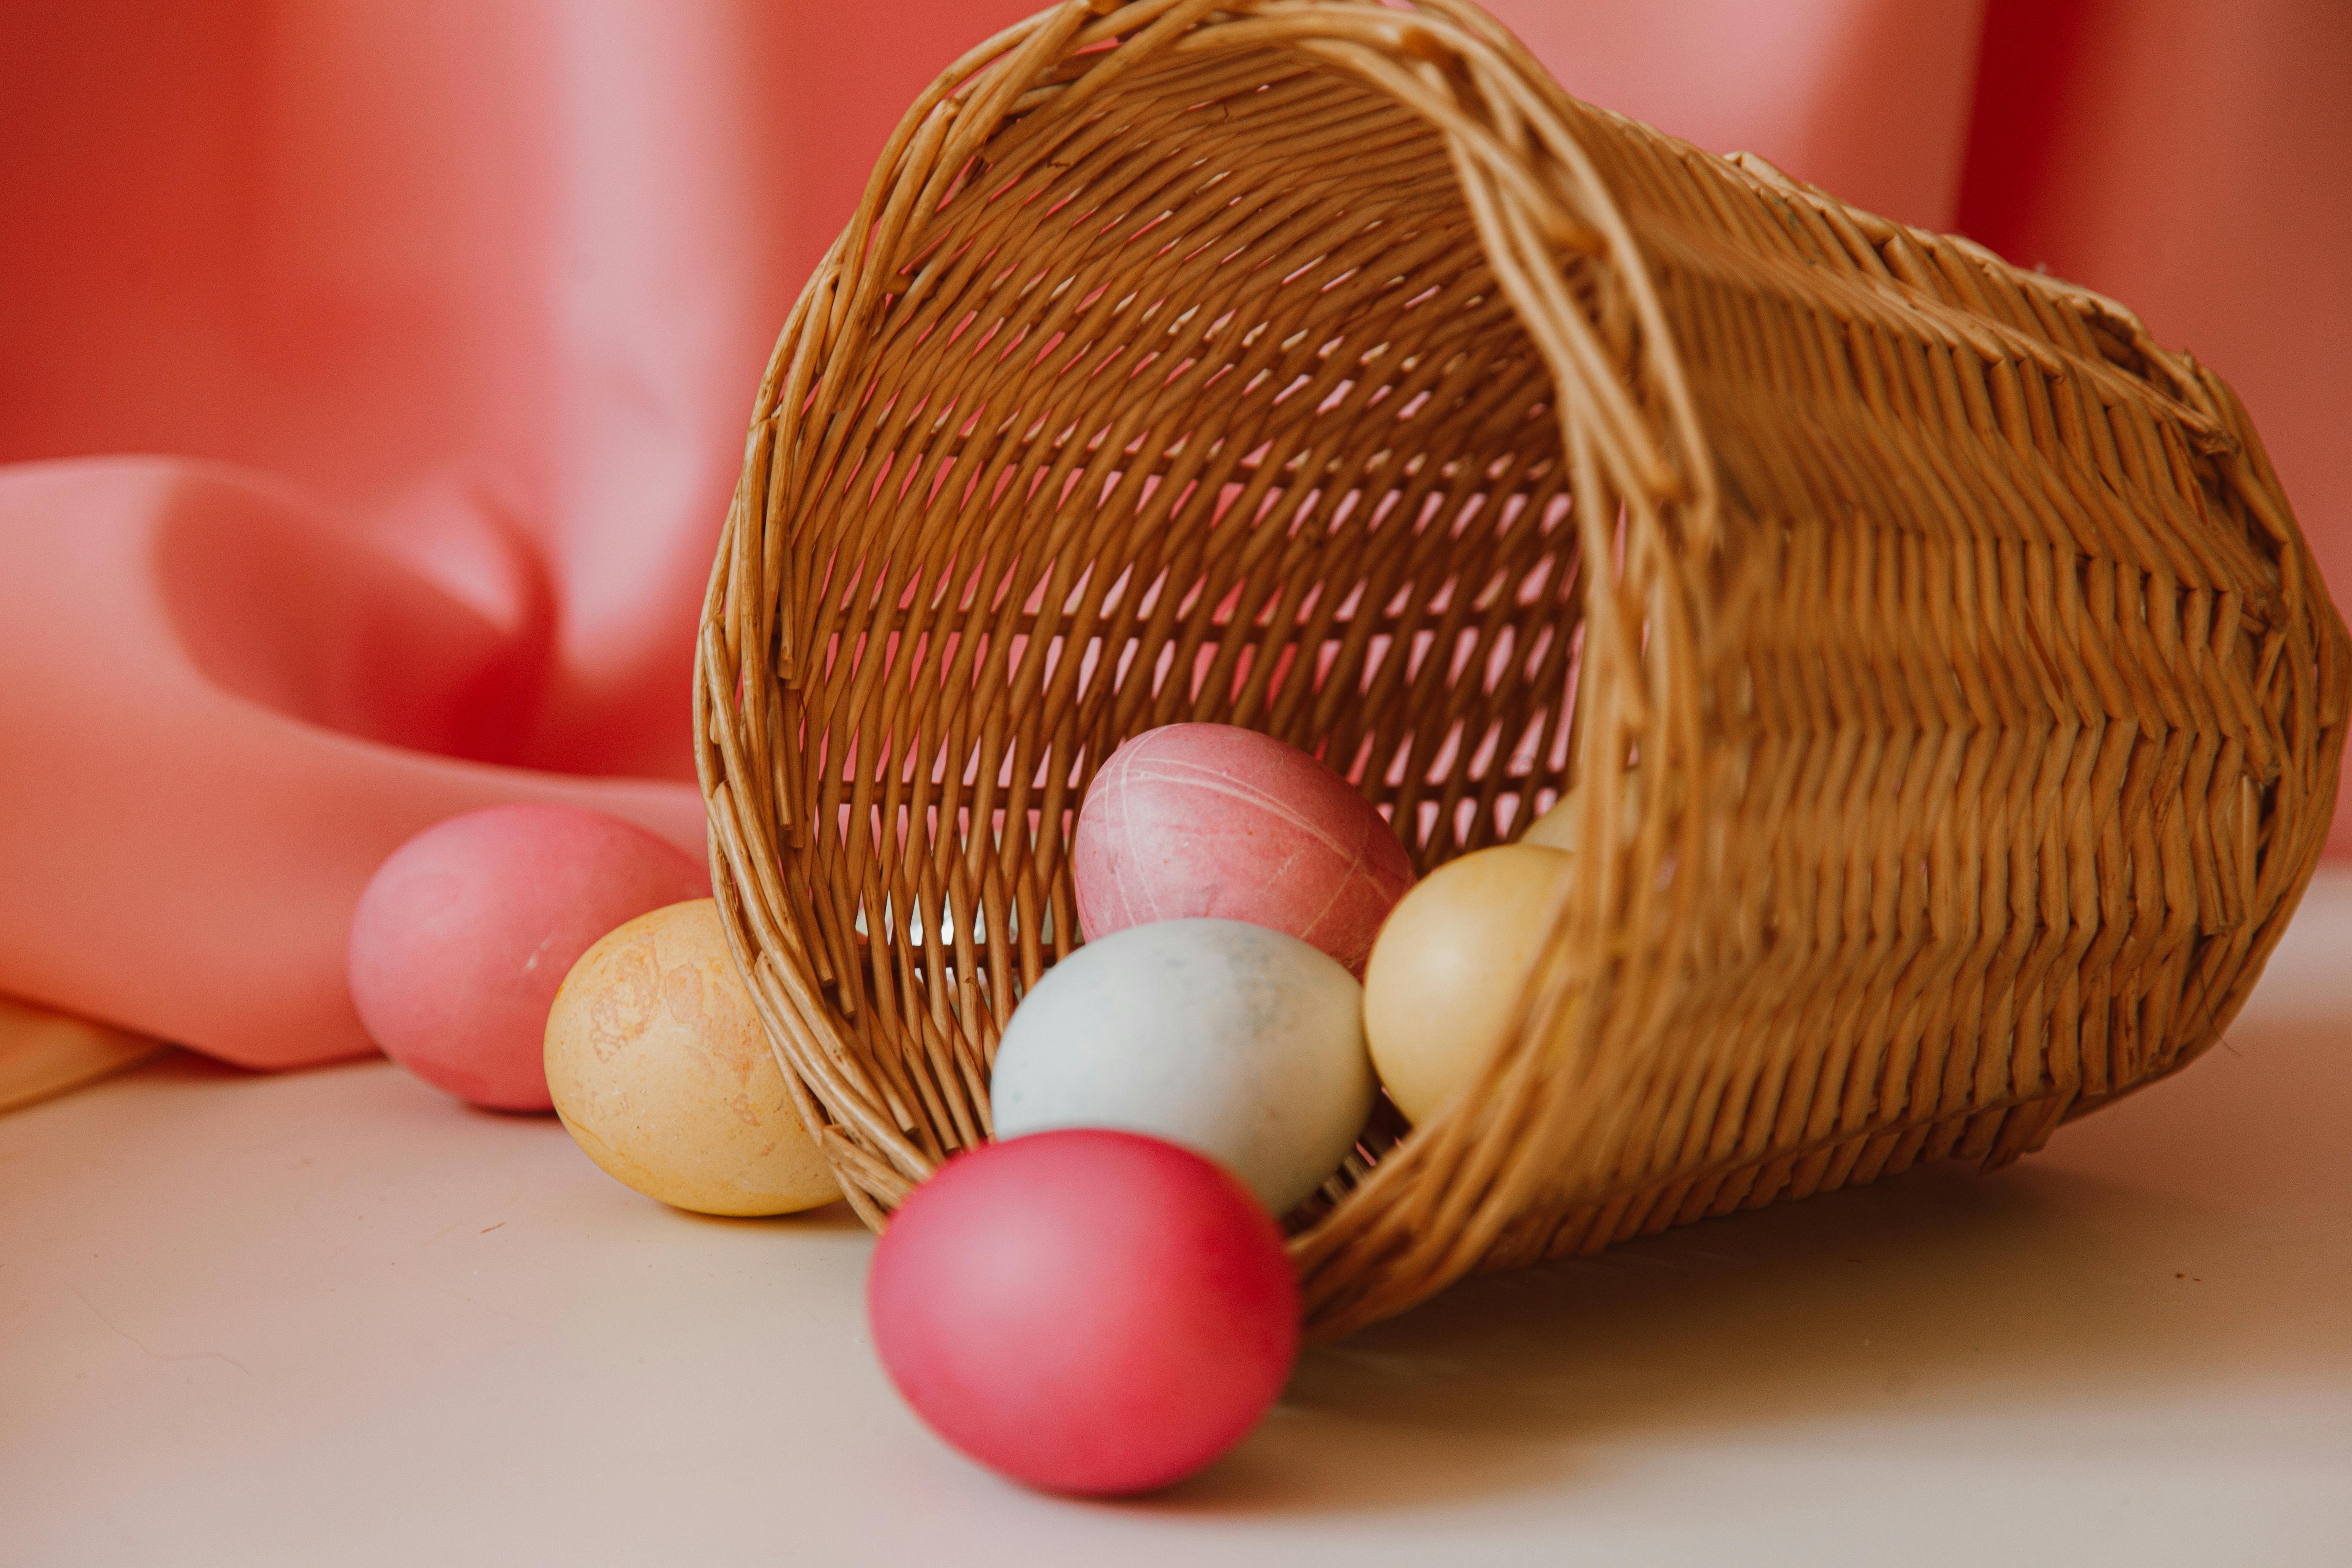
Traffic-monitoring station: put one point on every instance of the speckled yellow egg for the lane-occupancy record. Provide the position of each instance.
(1447, 968)
(661, 1074)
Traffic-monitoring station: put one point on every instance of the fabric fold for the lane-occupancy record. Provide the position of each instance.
(222, 714)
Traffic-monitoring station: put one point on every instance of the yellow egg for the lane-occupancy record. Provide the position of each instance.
(1448, 966)
(1556, 829)
(659, 1070)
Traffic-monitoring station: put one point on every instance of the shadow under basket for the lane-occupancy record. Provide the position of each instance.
(1951, 709)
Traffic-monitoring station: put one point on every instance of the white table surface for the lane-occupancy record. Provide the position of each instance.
(333, 1317)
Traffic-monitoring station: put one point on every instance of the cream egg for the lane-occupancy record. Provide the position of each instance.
(662, 1075)
(1238, 1042)
(1448, 968)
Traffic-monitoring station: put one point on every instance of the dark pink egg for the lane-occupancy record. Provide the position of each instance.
(1087, 1311)
(1212, 820)
(464, 932)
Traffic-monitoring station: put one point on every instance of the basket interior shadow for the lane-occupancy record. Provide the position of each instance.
(1951, 707)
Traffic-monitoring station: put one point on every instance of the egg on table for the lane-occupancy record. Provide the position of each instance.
(663, 1076)
(462, 934)
(1089, 1311)
(1449, 967)
(1241, 1043)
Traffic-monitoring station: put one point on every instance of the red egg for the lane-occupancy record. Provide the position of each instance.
(1087, 1311)
(1213, 820)
(464, 932)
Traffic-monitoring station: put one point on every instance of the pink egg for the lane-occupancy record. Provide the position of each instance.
(1087, 1311)
(1212, 820)
(464, 932)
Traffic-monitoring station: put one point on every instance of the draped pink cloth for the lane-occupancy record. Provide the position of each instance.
(373, 378)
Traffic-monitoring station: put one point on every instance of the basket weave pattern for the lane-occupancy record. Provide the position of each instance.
(1951, 707)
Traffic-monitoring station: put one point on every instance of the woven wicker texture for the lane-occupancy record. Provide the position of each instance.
(1952, 708)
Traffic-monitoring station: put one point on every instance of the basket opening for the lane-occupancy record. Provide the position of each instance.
(1200, 403)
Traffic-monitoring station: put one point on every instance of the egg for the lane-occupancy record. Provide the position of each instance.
(1449, 966)
(1087, 1311)
(1237, 1042)
(462, 934)
(662, 1075)
(1211, 820)
(1556, 829)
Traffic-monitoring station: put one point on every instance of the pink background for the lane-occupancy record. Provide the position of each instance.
(373, 378)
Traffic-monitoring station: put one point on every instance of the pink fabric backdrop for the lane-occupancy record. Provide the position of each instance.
(373, 378)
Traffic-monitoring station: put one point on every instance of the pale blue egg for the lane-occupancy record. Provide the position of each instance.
(1236, 1041)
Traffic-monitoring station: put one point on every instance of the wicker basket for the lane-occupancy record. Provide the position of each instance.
(1952, 707)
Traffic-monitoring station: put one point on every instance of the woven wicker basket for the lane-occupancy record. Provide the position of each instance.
(1952, 707)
